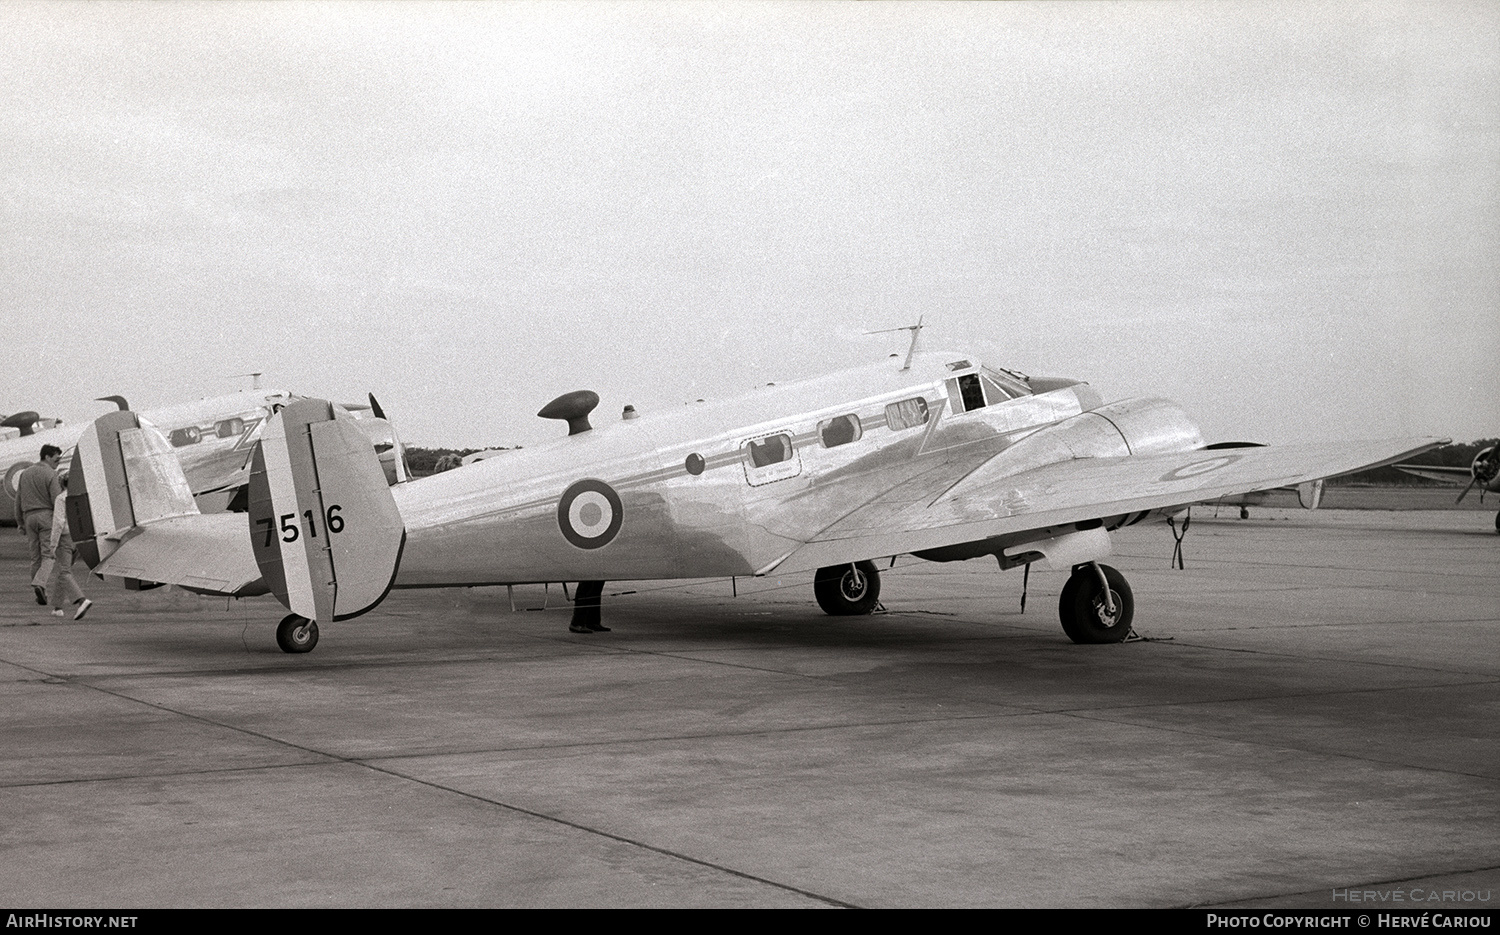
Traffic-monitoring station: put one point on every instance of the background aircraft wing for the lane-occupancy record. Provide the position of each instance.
(208, 553)
(988, 502)
(1438, 472)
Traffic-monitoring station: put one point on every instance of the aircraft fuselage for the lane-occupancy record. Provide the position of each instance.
(736, 488)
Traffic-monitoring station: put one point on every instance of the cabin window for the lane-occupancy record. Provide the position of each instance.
(229, 428)
(767, 451)
(907, 414)
(183, 437)
(840, 430)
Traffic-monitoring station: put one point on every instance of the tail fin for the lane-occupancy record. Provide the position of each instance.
(325, 529)
(124, 474)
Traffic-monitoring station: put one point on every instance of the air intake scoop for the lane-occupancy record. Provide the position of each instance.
(574, 407)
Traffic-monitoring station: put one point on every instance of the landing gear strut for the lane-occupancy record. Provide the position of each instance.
(1092, 612)
(296, 634)
(847, 590)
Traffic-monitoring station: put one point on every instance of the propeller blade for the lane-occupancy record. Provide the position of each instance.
(375, 407)
(1472, 482)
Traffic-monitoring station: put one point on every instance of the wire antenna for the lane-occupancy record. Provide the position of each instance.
(915, 330)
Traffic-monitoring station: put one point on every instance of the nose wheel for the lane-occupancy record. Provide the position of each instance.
(296, 634)
(1096, 605)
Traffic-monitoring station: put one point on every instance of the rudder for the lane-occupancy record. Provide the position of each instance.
(326, 532)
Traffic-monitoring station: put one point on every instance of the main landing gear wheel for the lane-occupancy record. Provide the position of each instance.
(1085, 613)
(847, 590)
(297, 634)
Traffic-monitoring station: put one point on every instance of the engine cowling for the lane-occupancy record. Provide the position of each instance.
(1486, 468)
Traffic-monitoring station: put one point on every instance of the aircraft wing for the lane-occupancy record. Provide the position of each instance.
(1437, 472)
(988, 502)
(208, 553)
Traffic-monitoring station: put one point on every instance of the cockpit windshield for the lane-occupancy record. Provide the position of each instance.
(1012, 381)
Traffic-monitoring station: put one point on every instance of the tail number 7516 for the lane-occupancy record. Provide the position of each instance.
(290, 530)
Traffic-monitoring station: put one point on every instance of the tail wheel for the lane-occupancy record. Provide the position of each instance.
(297, 634)
(847, 590)
(1085, 613)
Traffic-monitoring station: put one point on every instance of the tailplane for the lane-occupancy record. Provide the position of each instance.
(123, 474)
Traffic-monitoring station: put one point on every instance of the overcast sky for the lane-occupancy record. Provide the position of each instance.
(1286, 216)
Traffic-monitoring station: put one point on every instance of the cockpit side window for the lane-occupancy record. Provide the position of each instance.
(840, 430)
(965, 394)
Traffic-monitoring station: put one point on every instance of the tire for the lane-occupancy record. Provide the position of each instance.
(847, 590)
(296, 634)
(1081, 607)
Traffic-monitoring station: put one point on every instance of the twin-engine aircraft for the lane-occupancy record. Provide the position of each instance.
(943, 458)
(1483, 472)
(213, 439)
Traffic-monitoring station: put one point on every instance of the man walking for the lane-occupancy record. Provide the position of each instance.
(36, 490)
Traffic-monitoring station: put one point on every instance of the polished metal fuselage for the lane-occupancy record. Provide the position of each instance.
(498, 521)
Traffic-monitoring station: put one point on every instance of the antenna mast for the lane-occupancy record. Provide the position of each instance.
(915, 330)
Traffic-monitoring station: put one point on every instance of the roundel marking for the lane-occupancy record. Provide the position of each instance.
(589, 514)
(1200, 467)
(694, 464)
(12, 477)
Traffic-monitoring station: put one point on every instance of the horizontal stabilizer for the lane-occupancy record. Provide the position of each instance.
(123, 474)
(324, 528)
(206, 553)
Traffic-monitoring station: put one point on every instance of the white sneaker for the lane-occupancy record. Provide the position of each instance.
(57, 612)
(83, 608)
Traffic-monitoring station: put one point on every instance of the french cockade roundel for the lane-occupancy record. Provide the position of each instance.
(1200, 467)
(589, 514)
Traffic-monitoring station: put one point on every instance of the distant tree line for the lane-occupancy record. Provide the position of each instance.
(424, 461)
(1458, 455)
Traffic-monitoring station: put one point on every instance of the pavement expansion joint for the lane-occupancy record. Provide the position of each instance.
(1284, 746)
(623, 839)
(1341, 660)
(171, 774)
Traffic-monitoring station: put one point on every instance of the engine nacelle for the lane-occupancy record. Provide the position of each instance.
(1486, 468)
(1149, 426)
